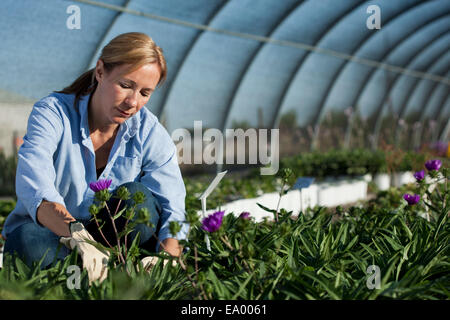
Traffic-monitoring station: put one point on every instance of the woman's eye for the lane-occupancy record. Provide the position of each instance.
(123, 85)
(145, 94)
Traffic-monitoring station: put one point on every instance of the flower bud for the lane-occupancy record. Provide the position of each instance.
(245, 215)
(144, 214)
(174, 227)
(103, 195)
(93, 209)
(139, 197)
(213, 222)
(192, 217)
(123, 193)
(419, 175)
(411, 199)
(129, 213)
(433, 165)
(286, 173)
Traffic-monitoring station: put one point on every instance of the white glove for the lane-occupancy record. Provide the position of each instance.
(150, 262)
(94, 260)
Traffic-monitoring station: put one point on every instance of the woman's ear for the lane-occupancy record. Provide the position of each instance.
(99, 70)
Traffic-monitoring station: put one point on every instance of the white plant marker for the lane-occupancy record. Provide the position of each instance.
(203, 197)
(300, 184)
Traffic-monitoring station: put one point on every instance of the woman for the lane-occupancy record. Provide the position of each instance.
(94, 129)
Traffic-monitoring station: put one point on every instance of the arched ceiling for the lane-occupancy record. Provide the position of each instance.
(229, 59)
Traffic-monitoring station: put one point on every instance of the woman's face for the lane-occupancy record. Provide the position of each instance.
(121, 95)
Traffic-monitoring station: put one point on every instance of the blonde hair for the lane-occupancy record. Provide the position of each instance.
(134, 48)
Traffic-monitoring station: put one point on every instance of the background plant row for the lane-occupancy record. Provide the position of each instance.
(320, 165)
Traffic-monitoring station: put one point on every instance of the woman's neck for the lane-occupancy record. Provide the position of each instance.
(98, 124)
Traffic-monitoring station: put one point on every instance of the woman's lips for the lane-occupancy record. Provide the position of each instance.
(123, 113)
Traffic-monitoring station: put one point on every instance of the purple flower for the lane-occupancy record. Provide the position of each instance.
(412, 200)
(419, 175)
(100, 185)
(213, 222)
(433, 165)
(245, 215)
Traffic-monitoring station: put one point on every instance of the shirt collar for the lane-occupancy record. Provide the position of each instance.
(130, 126)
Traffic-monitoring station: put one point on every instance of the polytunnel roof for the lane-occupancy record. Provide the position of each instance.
(228, 59)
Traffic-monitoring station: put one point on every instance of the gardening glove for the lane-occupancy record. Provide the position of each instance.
(150, 262)
(94, 260)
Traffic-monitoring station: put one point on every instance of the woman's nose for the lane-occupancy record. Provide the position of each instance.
(131, 100)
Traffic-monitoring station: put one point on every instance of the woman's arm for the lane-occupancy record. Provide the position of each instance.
(171, 246)
(161, 174)
(35, 177)
(55, 217)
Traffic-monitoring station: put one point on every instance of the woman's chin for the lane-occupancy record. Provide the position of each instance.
(119, 120)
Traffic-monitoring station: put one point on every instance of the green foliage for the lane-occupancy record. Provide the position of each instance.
(336, 163)
(289, 120)
(6, 207)
(319, 254)
(7, 175)
(174, 228)
(320, 165)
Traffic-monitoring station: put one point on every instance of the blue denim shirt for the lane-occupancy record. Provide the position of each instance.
(56, 162)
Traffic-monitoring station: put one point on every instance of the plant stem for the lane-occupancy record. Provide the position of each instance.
(157, 239)
(125, 228)
(196, 261)
(227, 243)
(245, 262)
(117, 235)
(279, 200)
(194, 284)
(101, 233)
(196, 272)
(202, 290)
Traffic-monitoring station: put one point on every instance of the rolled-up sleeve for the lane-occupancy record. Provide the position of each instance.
(161, 174)
(35, 178)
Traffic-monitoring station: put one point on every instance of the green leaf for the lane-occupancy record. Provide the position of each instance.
(218, 285)
(352, 243)
(22, 269)
(265, 208)
(327, 286)
(372, 252)
(307, 245)
(119, 213)
(394, 244)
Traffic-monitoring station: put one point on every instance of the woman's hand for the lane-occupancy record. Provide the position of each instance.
(55, 217)
(171, 246)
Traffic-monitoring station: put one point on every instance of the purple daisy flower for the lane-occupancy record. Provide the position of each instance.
(100, 185)
(213, 222)
(433, 165)
(245, 215)
(411, 199)
(419, 175)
